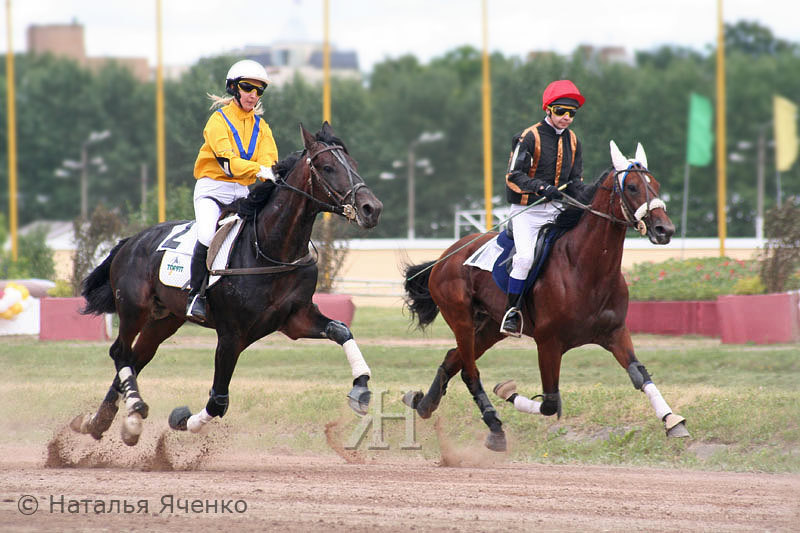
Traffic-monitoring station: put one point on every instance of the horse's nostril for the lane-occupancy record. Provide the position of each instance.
(366, 210)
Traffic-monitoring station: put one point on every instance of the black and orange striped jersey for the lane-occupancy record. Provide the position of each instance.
(541, 153)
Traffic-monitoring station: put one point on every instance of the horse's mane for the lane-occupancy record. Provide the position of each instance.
(570, 216)
(259, 196)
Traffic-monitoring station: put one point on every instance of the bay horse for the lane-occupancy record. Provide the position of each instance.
(580, 296)
(273, 295)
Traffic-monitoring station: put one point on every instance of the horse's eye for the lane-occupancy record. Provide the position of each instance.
(327, 168)
(631, 188)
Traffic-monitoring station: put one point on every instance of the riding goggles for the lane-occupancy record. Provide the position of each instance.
(561, 111)
(249, 87)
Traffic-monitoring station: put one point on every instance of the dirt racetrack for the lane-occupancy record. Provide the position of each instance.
(339, 493)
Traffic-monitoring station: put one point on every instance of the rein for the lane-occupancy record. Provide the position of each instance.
(632, 218)
(339, 207)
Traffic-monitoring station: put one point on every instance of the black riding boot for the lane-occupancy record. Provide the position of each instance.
(196, 303)
(512, 320)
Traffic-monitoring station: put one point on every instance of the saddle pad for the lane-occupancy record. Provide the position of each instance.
(495, 257)
(485, 256)
(178, 248)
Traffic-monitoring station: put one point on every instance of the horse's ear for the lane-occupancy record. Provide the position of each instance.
(617, 159)
(641, 157)
(327, 130)
(308, 138)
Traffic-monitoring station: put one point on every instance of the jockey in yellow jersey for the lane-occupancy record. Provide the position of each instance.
(238, 148)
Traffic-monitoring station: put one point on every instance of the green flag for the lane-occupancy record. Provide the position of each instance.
(700, 137)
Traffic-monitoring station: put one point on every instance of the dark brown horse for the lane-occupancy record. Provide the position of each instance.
(274, 295)
(579, 298)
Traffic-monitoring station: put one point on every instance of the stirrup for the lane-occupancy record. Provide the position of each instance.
(506, 317)
(196, 309)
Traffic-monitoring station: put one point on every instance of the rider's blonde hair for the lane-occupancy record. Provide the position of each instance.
(221, 101)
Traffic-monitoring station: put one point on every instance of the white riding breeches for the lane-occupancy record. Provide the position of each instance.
(525, 226)
(206, 210)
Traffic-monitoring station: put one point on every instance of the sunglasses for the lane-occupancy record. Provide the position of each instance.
(249, 87)
(561, 111)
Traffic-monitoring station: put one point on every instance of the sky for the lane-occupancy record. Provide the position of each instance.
(380, 29)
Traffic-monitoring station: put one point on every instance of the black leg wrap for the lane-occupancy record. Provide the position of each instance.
(551, 404)
(361, 381)
(217, 404)
(488, 412)
(338, 332)
(490, 419)
(638, 374)
(430, 401)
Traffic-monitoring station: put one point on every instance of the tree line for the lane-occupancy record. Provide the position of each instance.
(59, 104)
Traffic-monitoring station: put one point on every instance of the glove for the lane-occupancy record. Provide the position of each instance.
(265, 174)
(551, 192)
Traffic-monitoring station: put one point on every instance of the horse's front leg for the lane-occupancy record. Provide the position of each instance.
(229, 346)
(309, 323)
(622, 348)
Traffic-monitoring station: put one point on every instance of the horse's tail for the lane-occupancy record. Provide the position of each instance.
(96, 287)
(418, 295)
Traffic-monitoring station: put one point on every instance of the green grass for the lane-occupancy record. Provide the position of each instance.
(740, 401)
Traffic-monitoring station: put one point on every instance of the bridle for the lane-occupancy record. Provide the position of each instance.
(347, 210)
(634, 217)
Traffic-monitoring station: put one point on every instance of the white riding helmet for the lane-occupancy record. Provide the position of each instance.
(246, 68)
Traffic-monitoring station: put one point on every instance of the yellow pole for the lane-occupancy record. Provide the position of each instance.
(721, 159)
(326, 63)
(160, 152)
(12, 137)
(487, 123)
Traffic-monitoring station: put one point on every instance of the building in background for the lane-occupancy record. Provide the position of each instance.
(67, 40)
(286, 59)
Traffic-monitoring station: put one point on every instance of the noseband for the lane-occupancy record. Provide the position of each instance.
(634, 218)
(339, 205)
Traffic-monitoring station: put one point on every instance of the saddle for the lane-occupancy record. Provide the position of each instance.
(496, 256)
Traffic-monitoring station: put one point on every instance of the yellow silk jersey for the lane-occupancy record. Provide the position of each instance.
(231, 151)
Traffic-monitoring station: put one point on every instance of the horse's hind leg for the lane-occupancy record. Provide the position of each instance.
(426, 404)
(622, 348)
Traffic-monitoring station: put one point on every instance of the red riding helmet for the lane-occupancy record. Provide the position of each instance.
(562, 92)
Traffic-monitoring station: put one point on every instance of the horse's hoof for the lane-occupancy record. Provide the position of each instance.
(80, 424)
(676, 426)
(496, 441)
(178, 418)
(412, 398)
(358, 399)
(131, 429)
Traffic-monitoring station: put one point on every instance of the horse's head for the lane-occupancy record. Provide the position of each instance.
(638, 193)
(333, 179)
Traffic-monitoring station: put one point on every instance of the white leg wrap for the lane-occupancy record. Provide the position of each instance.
(356, 360)
(526, 405)
(196, 422)
(124, 373)
(656, 400)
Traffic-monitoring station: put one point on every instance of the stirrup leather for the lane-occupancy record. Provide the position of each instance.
(506, 317)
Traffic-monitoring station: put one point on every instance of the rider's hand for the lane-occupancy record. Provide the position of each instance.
(551, 192)
(265, 174)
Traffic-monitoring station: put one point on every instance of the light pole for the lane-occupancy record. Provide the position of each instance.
(83, 166)
(411, 164)
(761, 149)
